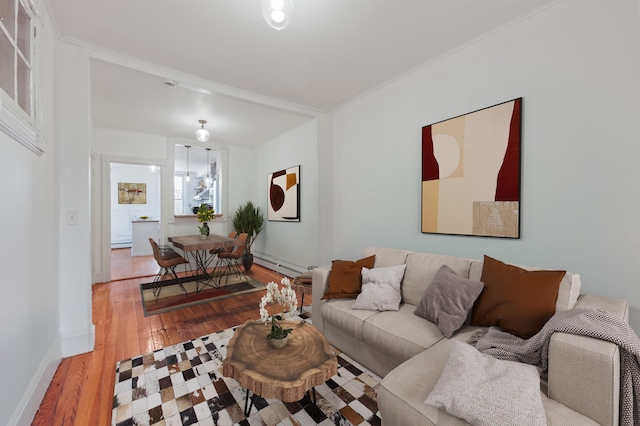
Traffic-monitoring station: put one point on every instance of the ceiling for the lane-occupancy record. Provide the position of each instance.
(249, 81)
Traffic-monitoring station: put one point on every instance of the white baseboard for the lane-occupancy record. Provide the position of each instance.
(126, 244)
(30, 401)
(79, 344)
(279, 267)
(98, 277)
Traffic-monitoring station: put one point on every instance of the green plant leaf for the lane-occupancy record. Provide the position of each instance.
(248, 219)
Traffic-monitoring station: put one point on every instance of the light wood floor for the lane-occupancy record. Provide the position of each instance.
(81, 392)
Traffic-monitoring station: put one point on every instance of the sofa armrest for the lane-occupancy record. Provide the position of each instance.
(319, 285)
(617, 307)
(584, 373)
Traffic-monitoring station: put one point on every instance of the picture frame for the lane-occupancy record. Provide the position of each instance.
(284, 195)
(471, 173)
(132, 193)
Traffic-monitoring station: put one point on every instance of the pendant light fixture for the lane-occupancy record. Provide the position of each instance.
(202, 134)
(208, 180)
(187, 178)
(277, 13)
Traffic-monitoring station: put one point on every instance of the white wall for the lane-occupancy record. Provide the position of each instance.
(576, 64)
(29, 312)
(73, 133)
(291, 244)
(242, 177)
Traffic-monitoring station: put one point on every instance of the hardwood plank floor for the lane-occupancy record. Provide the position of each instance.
(81, 392)
(125, 266)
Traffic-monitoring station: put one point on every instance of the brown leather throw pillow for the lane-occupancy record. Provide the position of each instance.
(345, 278)
(518, 301)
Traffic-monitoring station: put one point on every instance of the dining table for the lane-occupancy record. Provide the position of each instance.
(203, 252)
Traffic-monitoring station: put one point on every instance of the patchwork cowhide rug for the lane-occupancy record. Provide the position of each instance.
(183, 385)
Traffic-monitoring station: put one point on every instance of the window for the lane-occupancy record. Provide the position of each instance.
(17, 58)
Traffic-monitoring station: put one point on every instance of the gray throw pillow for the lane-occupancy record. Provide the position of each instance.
(486, 391)
(380, 289)
(448, 300)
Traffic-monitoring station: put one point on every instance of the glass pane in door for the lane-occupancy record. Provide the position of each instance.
(23, 40)
(24, 86)
(8, 15)
(7, 65)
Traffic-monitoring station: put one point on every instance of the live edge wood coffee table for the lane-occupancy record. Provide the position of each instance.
(285, 374)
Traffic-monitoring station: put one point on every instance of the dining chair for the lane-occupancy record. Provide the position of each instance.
(167, 260)
(216, 252)
(231, 259)
(232, 235)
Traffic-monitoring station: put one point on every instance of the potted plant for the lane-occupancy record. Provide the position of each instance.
(248, 219)
(205, 214)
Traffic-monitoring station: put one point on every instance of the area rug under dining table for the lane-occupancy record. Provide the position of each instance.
(173, 297)
(183, 385)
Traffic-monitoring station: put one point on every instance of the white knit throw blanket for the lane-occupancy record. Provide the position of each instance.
(585, 322)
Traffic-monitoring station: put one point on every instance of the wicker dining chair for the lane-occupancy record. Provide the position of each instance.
(167, 260)
(231, 259)
(232, 235)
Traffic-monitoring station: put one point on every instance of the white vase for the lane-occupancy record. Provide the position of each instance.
(278, 343)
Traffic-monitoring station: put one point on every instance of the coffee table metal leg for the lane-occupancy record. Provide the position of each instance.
(247, 407)
(314, 401)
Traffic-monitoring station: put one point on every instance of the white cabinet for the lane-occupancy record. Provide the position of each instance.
(142, 231)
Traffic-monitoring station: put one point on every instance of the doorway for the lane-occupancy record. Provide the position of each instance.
(134, 215)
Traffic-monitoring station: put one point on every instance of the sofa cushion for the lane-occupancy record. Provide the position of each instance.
(380, 288)
(400, 334)
(486, 391)
(338, 313)
(422, 267)
(402, 392)
(448, 300)
(345, 279)
(386, 256)
(518, 301)
(567, 294)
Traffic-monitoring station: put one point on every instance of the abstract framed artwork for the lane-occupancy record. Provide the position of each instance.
(284, 195)
(471, 173)
(132, 193)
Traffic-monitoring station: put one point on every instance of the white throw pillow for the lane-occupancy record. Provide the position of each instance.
(483, 390)
(380, 289)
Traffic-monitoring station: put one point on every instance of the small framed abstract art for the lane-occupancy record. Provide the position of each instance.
(132, 193)
(284, 195)
(471, 173)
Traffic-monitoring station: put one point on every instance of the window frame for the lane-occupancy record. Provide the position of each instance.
(14, 121)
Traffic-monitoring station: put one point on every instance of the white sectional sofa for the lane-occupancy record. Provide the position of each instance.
(410, 352)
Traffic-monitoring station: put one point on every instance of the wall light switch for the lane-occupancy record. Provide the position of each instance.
(72, 217)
